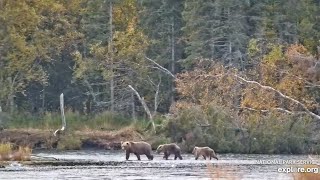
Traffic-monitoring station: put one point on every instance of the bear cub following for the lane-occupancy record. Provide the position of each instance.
(168, 149)
(137, 148)
(204, 152)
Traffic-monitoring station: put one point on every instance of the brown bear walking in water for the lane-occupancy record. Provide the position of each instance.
(137, 148)
(168, 149)
(204, 152)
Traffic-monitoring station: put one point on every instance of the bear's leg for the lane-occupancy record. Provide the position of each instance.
(127, 155)
(177, 155)
(138, 156)
(197, 157)
(204, 157)
(166, 155)
(213, 155)
(149, 156)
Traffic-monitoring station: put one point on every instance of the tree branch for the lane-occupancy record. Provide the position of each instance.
(265, 111)
(161, 68)
(283, 110)
(282, 95)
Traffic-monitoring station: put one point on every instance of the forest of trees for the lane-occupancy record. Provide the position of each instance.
(247, 63)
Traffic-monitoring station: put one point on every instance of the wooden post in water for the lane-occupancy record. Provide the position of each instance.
(64, 124)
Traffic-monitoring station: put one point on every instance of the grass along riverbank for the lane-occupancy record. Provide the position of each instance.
(270, 134)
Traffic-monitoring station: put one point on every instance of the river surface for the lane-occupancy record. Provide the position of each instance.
(229, 166)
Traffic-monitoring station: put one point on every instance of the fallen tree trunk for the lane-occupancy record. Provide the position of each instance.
(282, 95)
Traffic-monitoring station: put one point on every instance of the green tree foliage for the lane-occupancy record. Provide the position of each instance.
(216, 30)
(162, 22)
(119, 58)
(19, 64)
(33, 33)
(286, 22)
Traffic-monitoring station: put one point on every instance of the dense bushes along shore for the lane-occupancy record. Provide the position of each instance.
(213, 126)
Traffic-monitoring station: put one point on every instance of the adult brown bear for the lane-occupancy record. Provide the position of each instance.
(137, 148)
(204, 152)
(168, 149)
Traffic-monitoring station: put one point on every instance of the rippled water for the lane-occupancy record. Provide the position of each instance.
(241, 166)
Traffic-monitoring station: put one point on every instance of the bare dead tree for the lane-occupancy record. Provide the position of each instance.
(146, 108)
(156, 95)
(59, 131)
(156, 98)
(111, 57)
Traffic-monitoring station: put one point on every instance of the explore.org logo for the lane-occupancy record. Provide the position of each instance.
(299, 170)
(282, 161)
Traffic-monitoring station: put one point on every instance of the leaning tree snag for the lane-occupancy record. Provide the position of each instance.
(282, 95)
(161, 68)
(59, 131)
(145, 107)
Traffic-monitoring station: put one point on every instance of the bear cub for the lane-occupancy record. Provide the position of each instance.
(204, 152)
(168, 149)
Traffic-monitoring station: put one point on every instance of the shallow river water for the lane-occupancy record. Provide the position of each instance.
(229, 166)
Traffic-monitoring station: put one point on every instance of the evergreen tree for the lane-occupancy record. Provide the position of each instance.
(162, 22)
(216, 30)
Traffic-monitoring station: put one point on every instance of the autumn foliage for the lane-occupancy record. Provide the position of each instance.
(273, 99)
(7, 153)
